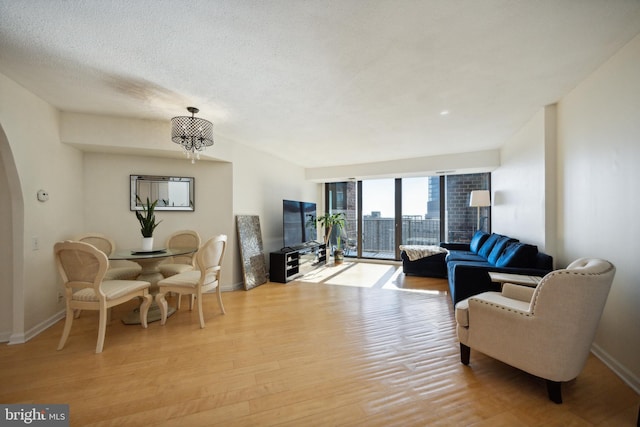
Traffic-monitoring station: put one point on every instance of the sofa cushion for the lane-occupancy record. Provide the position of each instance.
(518, 254)
(498, 249)
(485, 249)
(463, 256)
(477, 241)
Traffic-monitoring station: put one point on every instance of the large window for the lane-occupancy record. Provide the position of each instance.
(420, 211)
(460, 218)
(413, 211)
(342, 197)
(378, 220)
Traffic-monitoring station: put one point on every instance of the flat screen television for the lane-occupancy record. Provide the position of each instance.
(296, 224)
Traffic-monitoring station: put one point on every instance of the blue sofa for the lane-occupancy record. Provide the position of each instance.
(468, 264)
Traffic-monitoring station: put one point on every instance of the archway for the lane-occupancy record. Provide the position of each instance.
(11, 250)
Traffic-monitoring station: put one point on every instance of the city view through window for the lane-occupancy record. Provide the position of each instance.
(408, 211)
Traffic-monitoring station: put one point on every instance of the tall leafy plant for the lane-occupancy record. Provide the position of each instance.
(330, 222)
(147, 217)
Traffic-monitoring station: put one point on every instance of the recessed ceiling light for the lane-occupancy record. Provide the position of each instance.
(444, 112)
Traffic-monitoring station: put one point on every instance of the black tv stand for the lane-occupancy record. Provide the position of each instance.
(306, 245)
(290, 263)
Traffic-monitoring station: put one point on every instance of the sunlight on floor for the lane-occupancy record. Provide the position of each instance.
(397, 285)
(362, 275)
(369, 275)
(325, 273)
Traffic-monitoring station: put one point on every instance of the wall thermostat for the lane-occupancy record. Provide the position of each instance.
(43, 195)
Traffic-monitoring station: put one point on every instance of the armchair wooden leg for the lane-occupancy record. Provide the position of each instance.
(554, 391)
(465, 354)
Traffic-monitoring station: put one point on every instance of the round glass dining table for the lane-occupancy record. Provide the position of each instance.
(150, 262)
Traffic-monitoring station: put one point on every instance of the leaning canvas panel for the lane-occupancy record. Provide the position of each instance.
(254, 266)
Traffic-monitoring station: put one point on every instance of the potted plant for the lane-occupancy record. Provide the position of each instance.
(330, 222)
(148, 223)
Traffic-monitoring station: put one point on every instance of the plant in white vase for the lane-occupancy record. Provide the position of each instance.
(148, 223)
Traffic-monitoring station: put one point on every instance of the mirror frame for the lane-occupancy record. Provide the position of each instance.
(133, 179)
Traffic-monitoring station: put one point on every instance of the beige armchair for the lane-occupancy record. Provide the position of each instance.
(197, 282)
(546, 331)
(118, 270)
(83, 268)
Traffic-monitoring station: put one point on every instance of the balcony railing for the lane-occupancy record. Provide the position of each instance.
(378, 235)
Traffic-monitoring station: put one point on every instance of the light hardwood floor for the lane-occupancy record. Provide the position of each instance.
(356, 345)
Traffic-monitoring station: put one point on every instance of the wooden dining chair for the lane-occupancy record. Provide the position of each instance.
(125, 270)
(183, 239)
(83, 267)
(181, 263)
(196, 282)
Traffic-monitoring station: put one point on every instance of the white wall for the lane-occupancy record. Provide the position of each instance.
(89, 191)
(41, 161)
(109, 134)
(568, 183)
(599, 207)
(106, 202)
(518, 185)
(254, 184)
(6, 237)
(260, 183)
(459, 163)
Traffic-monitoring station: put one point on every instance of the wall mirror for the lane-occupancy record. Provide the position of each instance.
(173, 193)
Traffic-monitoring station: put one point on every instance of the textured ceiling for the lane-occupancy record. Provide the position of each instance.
(320, 82)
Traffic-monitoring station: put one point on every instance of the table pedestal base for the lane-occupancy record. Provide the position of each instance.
(150, 273)
(133, 317)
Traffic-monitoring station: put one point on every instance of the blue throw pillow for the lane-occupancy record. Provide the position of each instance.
(478, 240)
(498, 249)
(485, 250)
(518, 255)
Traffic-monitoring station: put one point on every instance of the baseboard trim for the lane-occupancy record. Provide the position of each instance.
(373, 261)
(625, 375)
(237, 287)
(21, 338)
(233, 287)
(5, 336)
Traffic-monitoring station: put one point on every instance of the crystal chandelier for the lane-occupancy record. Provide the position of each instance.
(192, 133)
